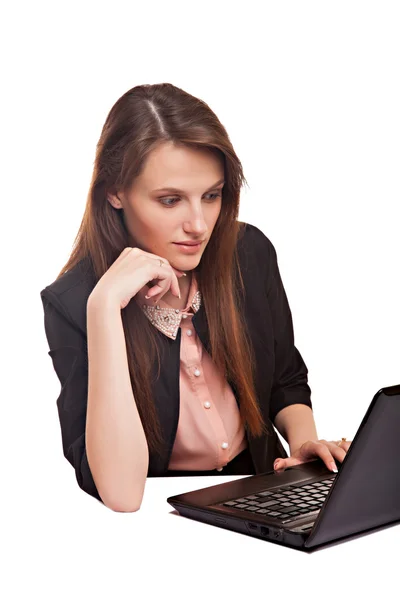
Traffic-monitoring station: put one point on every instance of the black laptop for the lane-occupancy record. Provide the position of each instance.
(307, 506)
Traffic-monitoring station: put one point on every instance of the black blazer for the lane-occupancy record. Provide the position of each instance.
(280, 374)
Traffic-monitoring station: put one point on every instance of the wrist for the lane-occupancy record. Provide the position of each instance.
(294, 447)
(98, 302)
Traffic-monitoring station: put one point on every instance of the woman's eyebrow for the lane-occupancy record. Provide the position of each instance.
(176, 190)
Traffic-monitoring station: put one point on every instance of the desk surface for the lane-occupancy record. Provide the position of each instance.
(66, 544)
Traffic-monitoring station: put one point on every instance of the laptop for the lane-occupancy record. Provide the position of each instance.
(307, 506)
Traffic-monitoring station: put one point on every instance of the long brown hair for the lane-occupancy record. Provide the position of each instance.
(143, 118)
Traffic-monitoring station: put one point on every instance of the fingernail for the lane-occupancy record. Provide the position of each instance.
(184, 274)
(333, 467)
(276, 464)
(179, 294)
(147, 297)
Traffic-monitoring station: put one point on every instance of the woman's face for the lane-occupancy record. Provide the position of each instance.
(157, 217)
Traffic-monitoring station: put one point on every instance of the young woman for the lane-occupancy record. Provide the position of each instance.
(169, 327)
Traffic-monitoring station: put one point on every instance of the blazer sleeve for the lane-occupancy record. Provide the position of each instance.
(68, 350)
(290, 383)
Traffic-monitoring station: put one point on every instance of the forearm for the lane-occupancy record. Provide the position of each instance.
(296, 425)
(115, 441)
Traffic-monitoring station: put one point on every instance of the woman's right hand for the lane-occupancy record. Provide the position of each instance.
(132, 270)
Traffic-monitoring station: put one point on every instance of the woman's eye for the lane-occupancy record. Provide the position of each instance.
(164, 200)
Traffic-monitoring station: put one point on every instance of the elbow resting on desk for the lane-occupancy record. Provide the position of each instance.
(121, 508)
(118, 505)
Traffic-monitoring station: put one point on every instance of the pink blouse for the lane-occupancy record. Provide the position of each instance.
(210, 432)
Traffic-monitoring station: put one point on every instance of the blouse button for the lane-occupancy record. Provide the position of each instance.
(189, 332)
(224, 445)
(177, 310)
(184, 316)
(207, 404)
(197, 372)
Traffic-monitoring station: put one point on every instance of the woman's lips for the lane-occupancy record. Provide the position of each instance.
(188, 249)
(190, 243)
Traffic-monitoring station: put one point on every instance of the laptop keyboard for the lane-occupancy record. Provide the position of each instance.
(287, 502)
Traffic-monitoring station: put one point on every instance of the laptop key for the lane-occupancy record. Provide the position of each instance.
(269, 503)
(272, 507)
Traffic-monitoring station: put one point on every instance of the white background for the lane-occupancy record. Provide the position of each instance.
(309, 93)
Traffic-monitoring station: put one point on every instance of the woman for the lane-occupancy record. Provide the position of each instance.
(173, 360)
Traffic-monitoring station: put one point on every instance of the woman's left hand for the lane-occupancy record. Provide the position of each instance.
(327, 451)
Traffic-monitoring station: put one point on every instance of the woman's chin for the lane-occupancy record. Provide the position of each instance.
(185, 264)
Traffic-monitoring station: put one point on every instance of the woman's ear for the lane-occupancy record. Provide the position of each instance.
(114, 199)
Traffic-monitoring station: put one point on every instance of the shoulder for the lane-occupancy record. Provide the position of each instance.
(254, 245)
(257, 257)
(70, 292)
(250, 234)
